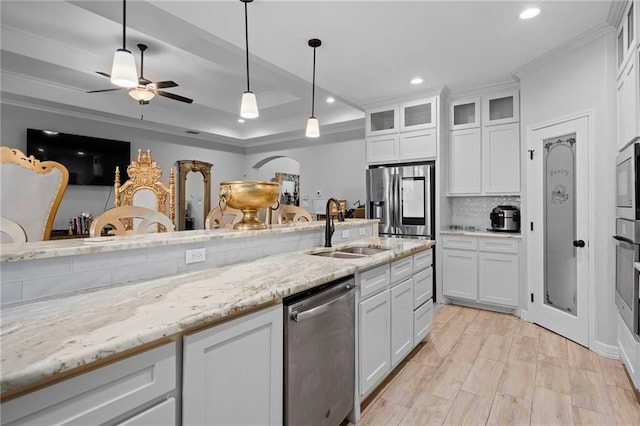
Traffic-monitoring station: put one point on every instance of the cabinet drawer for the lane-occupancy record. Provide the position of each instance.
(499, 245)
(422, 260)
(422, 287)
(99, 395)
(401, 270)
(163, 414)
(422, 322)
(374, 280)
(462, 243)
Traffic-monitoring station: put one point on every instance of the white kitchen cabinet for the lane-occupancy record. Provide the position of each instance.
(501, 108)
(100, 395)
(464, 114)
(233, 372)
(382, 149)
(422, 287)
(401, 269)
(374, 316)
(501, 159)
(420, 114)
(498, 277)
(401, 321)
(626, 34)
(422, 322)
(402, 132)
(629, 350)
(628, 102)
(464, 162)
(418, 145)
(381, 121)
(374, 280)
(460, 273)
(483, 270)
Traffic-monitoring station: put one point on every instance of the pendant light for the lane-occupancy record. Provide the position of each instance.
(123, 71)
(249, 106)
(313, 128)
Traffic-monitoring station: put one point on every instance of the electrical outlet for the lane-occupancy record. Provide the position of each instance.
(346, 233)
(195, 256)
(362, 232)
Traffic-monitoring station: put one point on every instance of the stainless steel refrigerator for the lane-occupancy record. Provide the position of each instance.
(402, 198)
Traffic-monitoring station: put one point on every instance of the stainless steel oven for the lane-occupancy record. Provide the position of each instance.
(627, 253)
(627, 183)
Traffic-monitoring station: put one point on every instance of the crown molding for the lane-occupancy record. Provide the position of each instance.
(483, 90)
(616, 10)
(573, 44)
(427, 93)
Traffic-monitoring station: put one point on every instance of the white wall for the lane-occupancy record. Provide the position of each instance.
(228, 162)
(567, 84)
(335, 169)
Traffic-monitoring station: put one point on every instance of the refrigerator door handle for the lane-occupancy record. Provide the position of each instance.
(398, 204)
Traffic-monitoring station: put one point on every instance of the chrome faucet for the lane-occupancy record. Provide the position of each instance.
(328, 227)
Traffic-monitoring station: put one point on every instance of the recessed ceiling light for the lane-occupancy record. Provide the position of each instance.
(532, 12)
(331, 100)
(417, 80)
(240, 120)
(49, 132)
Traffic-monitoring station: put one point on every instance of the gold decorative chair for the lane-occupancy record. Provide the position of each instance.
(31, 192)
(290, 214)
(12, 230)
(219, 219)
(144, 187)
(118, 217)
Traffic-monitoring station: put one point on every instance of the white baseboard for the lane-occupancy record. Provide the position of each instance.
(524, 315)
(610, 351)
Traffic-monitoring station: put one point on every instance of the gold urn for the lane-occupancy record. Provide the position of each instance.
(249, 196)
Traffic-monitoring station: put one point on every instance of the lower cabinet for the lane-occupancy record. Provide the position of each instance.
(233, 372)
(484, 270)
(118, 392)
(375, 339)
(401, 321)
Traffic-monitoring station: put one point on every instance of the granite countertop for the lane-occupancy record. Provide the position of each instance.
(491, 234)
(42, 340)
(55, 248)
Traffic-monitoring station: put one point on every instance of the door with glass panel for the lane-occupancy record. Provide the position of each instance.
(558, 254)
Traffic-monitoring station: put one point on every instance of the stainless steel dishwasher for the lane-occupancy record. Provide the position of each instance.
(319, 354)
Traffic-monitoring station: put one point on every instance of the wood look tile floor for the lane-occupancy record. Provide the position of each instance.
(482, 367)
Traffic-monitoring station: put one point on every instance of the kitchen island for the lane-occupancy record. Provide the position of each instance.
(50, 339)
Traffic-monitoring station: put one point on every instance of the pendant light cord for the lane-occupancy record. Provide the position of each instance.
(124, 24)
(246, 39)
(313, 86)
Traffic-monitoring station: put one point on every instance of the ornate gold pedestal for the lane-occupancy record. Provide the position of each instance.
(249, 196)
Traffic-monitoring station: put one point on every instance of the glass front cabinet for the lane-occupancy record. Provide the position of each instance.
(382, 121)
(501, 108)
(464, 114)
(417, 115)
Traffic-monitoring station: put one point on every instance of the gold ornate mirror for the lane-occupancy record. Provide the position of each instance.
(194, 194)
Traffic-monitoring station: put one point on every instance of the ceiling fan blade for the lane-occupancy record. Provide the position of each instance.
(143, 81)
(104, 74)
(104, 90)
(174, 97)
(164, 84)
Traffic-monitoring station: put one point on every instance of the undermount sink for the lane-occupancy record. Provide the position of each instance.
(350, 252)
(367, 251)
(338, 254)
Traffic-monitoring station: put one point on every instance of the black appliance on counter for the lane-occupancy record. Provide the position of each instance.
(505, 219)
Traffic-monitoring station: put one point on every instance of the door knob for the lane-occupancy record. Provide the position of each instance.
(578, 243)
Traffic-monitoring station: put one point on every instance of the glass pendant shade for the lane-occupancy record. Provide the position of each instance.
(313, 128)
(123, 72)
(249, 106)
(141, 94)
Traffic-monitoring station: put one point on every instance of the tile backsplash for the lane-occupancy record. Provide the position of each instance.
(474, 211)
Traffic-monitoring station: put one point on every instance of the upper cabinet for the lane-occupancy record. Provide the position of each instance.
(418, 115)
(501, 108)
(627, 35)
(404, 132)
(464, 114)
(382, 121)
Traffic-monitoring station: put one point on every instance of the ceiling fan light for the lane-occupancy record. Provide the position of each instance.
(249, 106)
(313, 128)
(123, 72)
(141, 94)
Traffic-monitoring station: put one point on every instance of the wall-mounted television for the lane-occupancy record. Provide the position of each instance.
(90, 161)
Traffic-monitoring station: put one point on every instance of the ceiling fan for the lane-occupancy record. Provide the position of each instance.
(146, 89)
